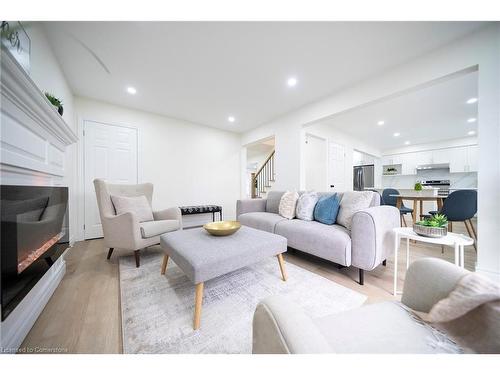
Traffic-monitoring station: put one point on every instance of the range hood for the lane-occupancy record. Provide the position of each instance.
(433, 166)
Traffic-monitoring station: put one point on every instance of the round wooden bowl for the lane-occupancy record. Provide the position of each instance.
(222, 228)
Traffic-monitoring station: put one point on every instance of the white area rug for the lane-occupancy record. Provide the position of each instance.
(157, 311)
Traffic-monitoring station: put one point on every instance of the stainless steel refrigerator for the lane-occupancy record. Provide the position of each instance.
(363, 177)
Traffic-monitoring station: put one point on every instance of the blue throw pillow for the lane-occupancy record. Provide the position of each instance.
(326, 209)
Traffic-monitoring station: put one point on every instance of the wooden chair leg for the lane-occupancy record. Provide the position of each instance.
(361, 277)
(384, 263)
(470, 235)
(110, 252)
(450, 226)
(197, 305)
(164, 264)
(473, 229)
(282, 266)
(404, 220)
(137, 254)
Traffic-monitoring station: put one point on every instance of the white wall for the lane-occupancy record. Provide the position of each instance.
(332, 134)
(188, 164)
(48, 76)
(482, 49)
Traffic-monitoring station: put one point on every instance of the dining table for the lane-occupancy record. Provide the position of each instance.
(418, 199)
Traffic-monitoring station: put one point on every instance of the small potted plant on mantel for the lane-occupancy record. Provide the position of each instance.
(55, 102)
(435, 226)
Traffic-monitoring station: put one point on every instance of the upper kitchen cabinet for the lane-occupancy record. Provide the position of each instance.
(460, 159)
(457, 157)
(441, 156)
(473, 158)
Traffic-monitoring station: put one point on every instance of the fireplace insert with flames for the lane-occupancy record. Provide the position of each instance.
(34, 234)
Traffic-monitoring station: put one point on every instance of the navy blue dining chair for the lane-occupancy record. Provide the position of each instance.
(460, 205)
(389, 200)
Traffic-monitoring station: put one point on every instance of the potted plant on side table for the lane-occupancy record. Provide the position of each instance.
(435, 226)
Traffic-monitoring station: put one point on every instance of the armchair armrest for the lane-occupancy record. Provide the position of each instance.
(280, 327)
(122, 231)
(250, 205)
(428, 281)
(372, 238)
(172, 213)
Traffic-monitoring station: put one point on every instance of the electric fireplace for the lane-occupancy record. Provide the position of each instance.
(34, 233)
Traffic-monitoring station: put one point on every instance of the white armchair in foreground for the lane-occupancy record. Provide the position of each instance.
(125, 231)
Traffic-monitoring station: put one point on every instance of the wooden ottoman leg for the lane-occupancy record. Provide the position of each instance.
(164, 264)
(282, 266)
(197, 305)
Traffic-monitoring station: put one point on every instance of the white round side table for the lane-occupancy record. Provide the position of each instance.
(458, 241)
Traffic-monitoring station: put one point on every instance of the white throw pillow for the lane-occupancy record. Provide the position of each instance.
(138, 205)
(305, 206)
(352, 202)
(288, 203)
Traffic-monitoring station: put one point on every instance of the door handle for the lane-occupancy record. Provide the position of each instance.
(332, 186)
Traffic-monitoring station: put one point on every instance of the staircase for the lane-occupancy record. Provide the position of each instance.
(262, 179)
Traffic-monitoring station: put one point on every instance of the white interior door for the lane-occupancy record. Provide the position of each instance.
(316, 163)
(336, 166)
(111, 154)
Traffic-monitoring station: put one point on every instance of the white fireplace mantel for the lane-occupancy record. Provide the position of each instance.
(33, 141)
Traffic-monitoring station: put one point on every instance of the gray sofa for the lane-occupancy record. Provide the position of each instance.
(280, 327)
(365, 246)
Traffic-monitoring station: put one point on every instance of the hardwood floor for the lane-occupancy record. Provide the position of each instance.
(83, 315)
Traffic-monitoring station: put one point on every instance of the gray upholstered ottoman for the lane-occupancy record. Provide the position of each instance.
(203, 256)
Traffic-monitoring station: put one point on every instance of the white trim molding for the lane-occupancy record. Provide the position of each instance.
(33, 141)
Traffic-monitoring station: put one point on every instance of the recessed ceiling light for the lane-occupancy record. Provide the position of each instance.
(471, 100)
(292, 81)
(396, 134)
(231, 119)
(407, 143)
(472, 132)
(471, 120)
(131, 90)
(380, 123)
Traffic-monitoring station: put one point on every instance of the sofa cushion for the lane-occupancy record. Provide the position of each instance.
(326, 209)
(352, 202)
(288, 203)
(261, 220)
(331, 242)
(305, 206)
(155, 228)
(385, 327)
(138, 205)
(273, 199)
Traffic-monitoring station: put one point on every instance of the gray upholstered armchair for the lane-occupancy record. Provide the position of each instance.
(124, 231)
(280, 327)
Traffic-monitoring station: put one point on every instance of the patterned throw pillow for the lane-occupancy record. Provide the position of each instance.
(352, 202)
(326, 209)
(288, 203)
(305, 206)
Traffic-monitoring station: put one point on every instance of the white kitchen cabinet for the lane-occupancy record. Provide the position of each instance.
(458, 159)
(422, 157)
(472, 158)
(441, 156)
(409, 162)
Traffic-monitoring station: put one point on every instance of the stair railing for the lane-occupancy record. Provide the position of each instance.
(263, 177)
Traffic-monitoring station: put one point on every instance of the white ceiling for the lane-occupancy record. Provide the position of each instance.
(435, 113)
(206, 71)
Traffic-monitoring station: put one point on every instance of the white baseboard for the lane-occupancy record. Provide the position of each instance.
(16, 327)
